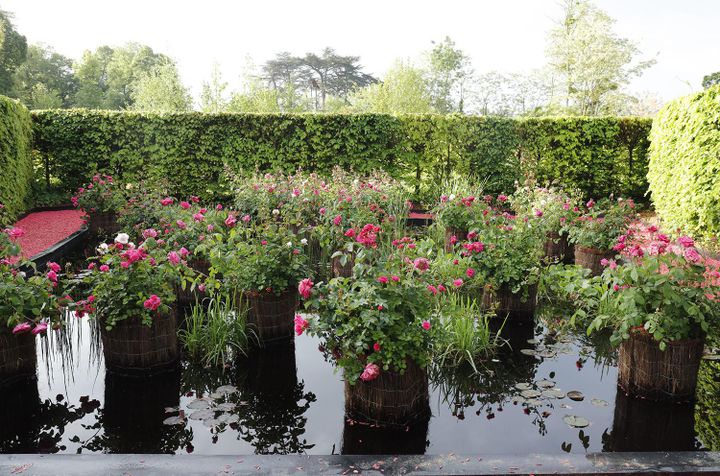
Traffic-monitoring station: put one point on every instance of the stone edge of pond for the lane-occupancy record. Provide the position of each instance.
(160, 465)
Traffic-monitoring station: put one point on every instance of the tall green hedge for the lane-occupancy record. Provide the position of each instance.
(598, 155)
(685, 163)
(16, 167)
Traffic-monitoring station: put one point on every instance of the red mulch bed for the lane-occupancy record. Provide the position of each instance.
(44, 229)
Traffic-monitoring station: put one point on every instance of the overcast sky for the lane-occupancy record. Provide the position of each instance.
(503, 35)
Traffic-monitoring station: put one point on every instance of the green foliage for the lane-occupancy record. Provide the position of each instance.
(161, 90)
(684, 166)
(45, 80)
(13, 51)
(216, 330)
(190, 151)
(602, 224)
(404, 90)
(710, 80)
(16, 166)
(707, 416)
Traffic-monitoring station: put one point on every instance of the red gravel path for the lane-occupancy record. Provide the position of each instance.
(44, 229)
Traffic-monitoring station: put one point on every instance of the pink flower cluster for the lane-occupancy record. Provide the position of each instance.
(370, 373)
(305, 288)
(300, 324)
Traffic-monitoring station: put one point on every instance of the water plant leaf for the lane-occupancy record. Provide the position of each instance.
(199, 404)
(576, 395)
(576, 421)
(553, 393)
(599, 402)
(530, 393)
(174, 420)
(201, 415)
(523, 386)
(226, 407)
(545, 383)
(227, 389)
(528, 351)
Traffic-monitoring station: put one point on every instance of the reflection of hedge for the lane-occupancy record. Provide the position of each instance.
(707, 409)
(15, 159)
(684, 169)
(598, 155)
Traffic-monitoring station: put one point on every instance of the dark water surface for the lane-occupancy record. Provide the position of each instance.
(289, 400)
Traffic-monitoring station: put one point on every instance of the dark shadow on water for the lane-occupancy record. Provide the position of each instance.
(363, 439)
(132, 418)
(642, 425)
(273, 402)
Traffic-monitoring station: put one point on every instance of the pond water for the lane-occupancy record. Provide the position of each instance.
(287, 399)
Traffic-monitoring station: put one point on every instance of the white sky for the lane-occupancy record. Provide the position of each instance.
(504, 35)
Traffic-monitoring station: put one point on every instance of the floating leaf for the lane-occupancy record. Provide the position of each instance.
(175, 420)
(226, 407)
(533, 341)
(530, 393)
(545, 384)
(576, 395)
(199, 404)
(553, 393)
(201, 415)
(528, 351)
(523, 386)
(172, 409)
(598, 402)
(576, 421)
(232, 419)
(211, 422)
(547, 354)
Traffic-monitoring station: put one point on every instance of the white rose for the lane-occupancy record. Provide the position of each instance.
(103, 248)
(276, 212)
(304, 241)
(289, 244)
(452, 196)
(122, 238)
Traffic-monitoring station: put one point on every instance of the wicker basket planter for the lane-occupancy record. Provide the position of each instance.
(271, 315)
(449, 233)
(186, 298)
(133, 347)
(512, 305)
(590, 258)
(17, 356)
(392, 399)
(646, 371)
(103, 223)
(558, 249)
(340, 271)
(642, 425)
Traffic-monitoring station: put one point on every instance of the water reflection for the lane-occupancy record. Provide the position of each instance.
(642, 425)
(31, 425)
(132, 418)
(363, 439)
(273, 402)
(707, 411)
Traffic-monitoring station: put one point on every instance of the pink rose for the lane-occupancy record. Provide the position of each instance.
(173, 257)
(230, 221)
(21, 328)
(149, 233)
(54, 266)
(300, 324)
(370, 373)
(219, 207)
(470, 272)
(152, 303)
(305, 288)
(198, 217)
(350, 233)
(166, 201)
(395, 278)
(458, 282)
(376, 347)
(185, 205)
(184, 252)
(686, 241)
(14, 233)
(104, 268)
(382, 280)
(426, 325)
(337, 220)
(421, 264)
(181, 224)
(432, 289)
(41, 328)
(538, 213)
(246, 218)
(692, 255)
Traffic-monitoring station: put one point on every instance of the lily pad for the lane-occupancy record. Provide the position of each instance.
(545, 384)
(530, 393)
(576, 396)
(523, 386)
(232, 419)
(547, 354)
(528, 351)
(553, 393)
(226, 407)
(201, 415)
(227, 389)
(576, 421)
(533, 341)
(599, 402)
(175, 420)
(172, 409)
(211, 422)
(199, 404)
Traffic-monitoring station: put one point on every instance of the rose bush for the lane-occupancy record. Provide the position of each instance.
(101, 195)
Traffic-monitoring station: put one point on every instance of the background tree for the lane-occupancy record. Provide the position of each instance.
(45, 79)
(591, 61)
(107, 75)
(213, 97)
(711, 80)
(13, 51)
(161, 90)
(448, 70)
(403, 90)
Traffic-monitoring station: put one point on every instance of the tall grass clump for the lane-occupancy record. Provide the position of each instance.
(216, 330)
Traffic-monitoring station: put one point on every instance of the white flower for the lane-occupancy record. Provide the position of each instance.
(276, 212)
(103, 248)
(22, 274)
(122, 238)
(304, 241)
(289, 244)
(452, 196)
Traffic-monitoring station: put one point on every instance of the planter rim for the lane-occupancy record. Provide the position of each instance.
(645, 335)
(592, 250)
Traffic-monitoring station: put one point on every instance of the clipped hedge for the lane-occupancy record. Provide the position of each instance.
(685, 163)
(16, 166)
(598, 155)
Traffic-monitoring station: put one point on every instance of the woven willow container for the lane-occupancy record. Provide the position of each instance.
(558, 249)
(449, 233)
(590, 258)
(506, 303)
(103, 223)
(271, 316)
(391, 399)
(17, 356)
(646, 371)
(186, 298)
(132, 347)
